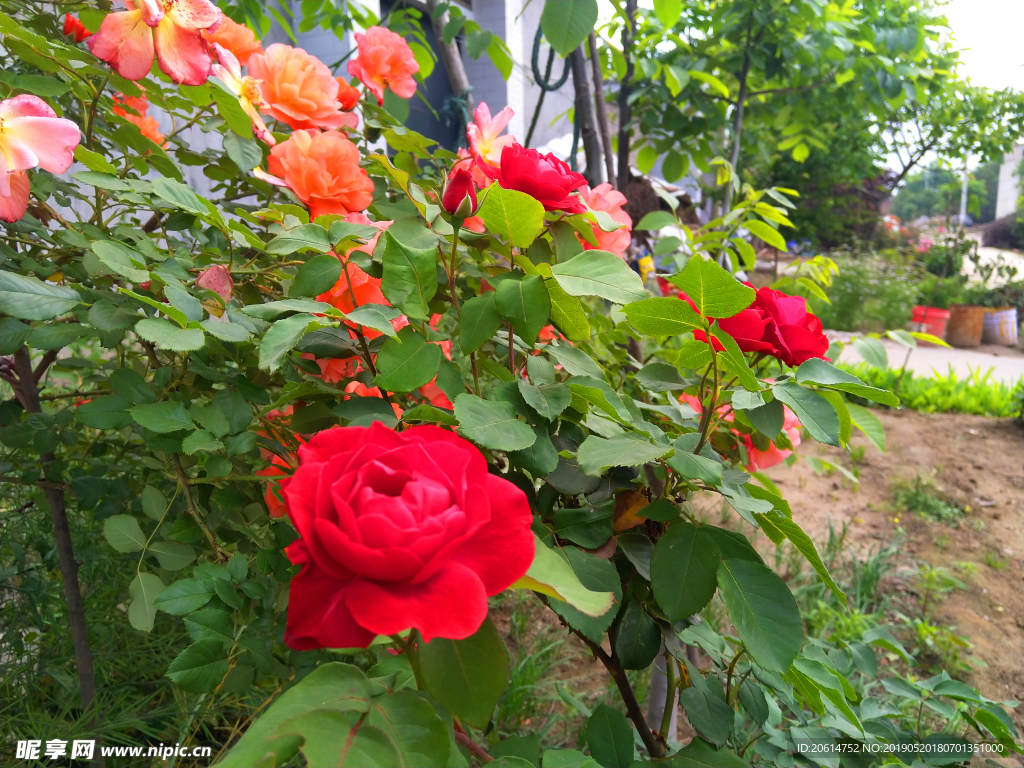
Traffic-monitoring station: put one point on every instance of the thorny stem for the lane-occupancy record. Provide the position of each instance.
(186, 484)
(92, 113)
(732, 669)
(463, 738)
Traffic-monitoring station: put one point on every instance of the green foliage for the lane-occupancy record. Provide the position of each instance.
(872, 294)
(923, 497)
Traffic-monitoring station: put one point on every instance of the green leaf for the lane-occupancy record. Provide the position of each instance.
(636, 638)
(478, 322)
(55, 336)
(541, 458)
(211, 623)
(28, 298)
(230, 332)
(552, 575)
(868, 423)
(660, 377)
(514, 216)
(662, 316)
(101, 181)
(200, 667)
(274, 309)
(610, 737)
(566, 23)
(684, 567)
(668, 12)
(316, 276)
(414, 726)
(814, 411)
(763, 611)
(129, 383)
(599, 273)
(492, 424)
(330, 687)
(699, 754)
(733, 359)
(766, 232)
(184, 302)
(789, 528)
(175, 314)
(168, 416)
(121, 259)
(311, 236)
(597, 454)
(693, 467)
(596, 574)
(282, 337)
(768, 419)
(168, 336)
(407, 362)
(817, 371)
(525, 304)
(94, 161)
(123, 533)
(143, 590)
(376, 316)
(656, 220)
(180, 195)
(706, 707)
(202, 440)
(872, 351)
(567, 313)
(575, 360)
(104, 413)
(244, 152)
(548, 400)
(715, 292)
(590, 527)
(184, 596)
(466, 676)
(171, 555)
(410, 276)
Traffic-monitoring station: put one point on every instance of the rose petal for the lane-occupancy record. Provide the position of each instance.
(452, 604)
(331, 625)
(126, 43)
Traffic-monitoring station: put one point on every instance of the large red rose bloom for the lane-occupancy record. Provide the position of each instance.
(399, 530)
(543, 177)
(794, 332)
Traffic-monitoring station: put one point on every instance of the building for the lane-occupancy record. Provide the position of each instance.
(1011, 182)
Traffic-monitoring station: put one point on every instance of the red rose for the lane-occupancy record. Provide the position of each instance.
(459, 198)
(74, 29)
(747, 327)
(399, 530)
(543, 177)
(794, 331)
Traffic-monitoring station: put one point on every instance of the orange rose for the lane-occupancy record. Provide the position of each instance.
(348, 96)
(148, 126)
(361, 390)
(323, 170)
(298, 89)
(272, 496)
(237, 38)
(384, 59)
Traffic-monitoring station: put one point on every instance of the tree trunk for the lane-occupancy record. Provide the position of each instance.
(625, 134)
(28, 390)
(585, 116)
(603, 126)
(451, 57)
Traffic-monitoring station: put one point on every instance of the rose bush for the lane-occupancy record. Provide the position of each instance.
(318, 412)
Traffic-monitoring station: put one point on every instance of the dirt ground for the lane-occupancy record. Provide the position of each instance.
(977, 461)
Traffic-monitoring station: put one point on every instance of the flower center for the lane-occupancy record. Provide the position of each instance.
(251, 90)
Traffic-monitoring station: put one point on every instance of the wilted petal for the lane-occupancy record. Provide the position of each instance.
(217, 279)
(125, 42)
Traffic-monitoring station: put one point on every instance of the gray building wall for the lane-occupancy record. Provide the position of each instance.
(1011, 183)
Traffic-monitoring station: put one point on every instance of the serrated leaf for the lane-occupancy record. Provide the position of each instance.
(123, 533)
(662, 316)
(492, 424)
(514, 216)
(168, 416)
(410, 276)
(479, 320)
(599, 273)
(200, 667)
(311, 236)
(28, 298)
(766, 232)
(318, 275)
(168, 336)
(406, 362)
(597, 454)
(525, 304)
(282, 336)
(715, 292)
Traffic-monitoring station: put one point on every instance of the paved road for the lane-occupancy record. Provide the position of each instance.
(1007, 363)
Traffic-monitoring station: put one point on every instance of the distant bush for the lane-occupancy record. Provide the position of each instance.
(870, 294)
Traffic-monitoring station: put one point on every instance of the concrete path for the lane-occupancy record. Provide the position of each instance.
(1007, 363)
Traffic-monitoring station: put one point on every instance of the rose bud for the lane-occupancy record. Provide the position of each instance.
(459, 198)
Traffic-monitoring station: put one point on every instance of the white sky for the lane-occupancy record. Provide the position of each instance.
(992, 34)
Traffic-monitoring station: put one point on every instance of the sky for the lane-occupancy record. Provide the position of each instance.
(991, 31)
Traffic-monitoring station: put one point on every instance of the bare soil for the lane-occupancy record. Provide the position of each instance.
(979, 463)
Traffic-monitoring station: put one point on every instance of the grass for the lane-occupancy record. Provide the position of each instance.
(976, 394)
(923, 496)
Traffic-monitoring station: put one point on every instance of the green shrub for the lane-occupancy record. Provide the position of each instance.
(869, 294)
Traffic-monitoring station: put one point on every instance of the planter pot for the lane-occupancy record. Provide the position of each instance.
(1000, 327)
(965, 325)
(930, 320)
